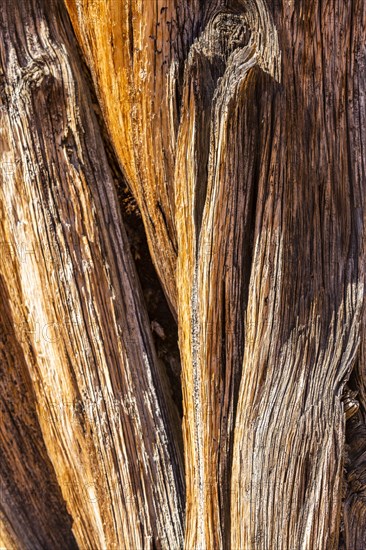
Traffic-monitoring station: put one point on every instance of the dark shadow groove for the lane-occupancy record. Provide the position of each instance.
(163, 324)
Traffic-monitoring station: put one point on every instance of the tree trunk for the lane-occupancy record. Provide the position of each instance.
(239, 129)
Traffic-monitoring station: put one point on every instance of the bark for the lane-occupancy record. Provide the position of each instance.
(239, 127)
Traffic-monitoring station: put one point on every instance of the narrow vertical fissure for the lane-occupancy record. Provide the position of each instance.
(198, 424)
(163, 324)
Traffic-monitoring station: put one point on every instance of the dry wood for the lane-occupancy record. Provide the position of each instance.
(239, 126)
(75, 299)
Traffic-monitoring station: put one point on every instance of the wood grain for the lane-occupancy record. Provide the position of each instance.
(239, 126)
(32, 507)
(75, 299)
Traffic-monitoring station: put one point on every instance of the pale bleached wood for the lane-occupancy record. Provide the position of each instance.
(306, 289)
(8, 539)
(354, 490)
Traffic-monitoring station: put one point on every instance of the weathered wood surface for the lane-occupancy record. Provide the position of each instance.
(240, 128)
(32, 508)
(269, 216)
(354, 491)
(75, 300)
(289, 434)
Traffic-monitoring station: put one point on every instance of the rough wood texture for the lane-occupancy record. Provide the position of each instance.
(308, 283)
(31, 502)
(135, 51)
(240, 128)
(353, 534)
(76, 302)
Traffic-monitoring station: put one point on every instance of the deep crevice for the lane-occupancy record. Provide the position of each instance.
(163, 325)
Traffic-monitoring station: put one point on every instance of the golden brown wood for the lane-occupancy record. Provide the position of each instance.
(78, 312)
(239, 126)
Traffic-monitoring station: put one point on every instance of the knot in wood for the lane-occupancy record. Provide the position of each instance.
(224, 34)
(230, 32)
(36, 75)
